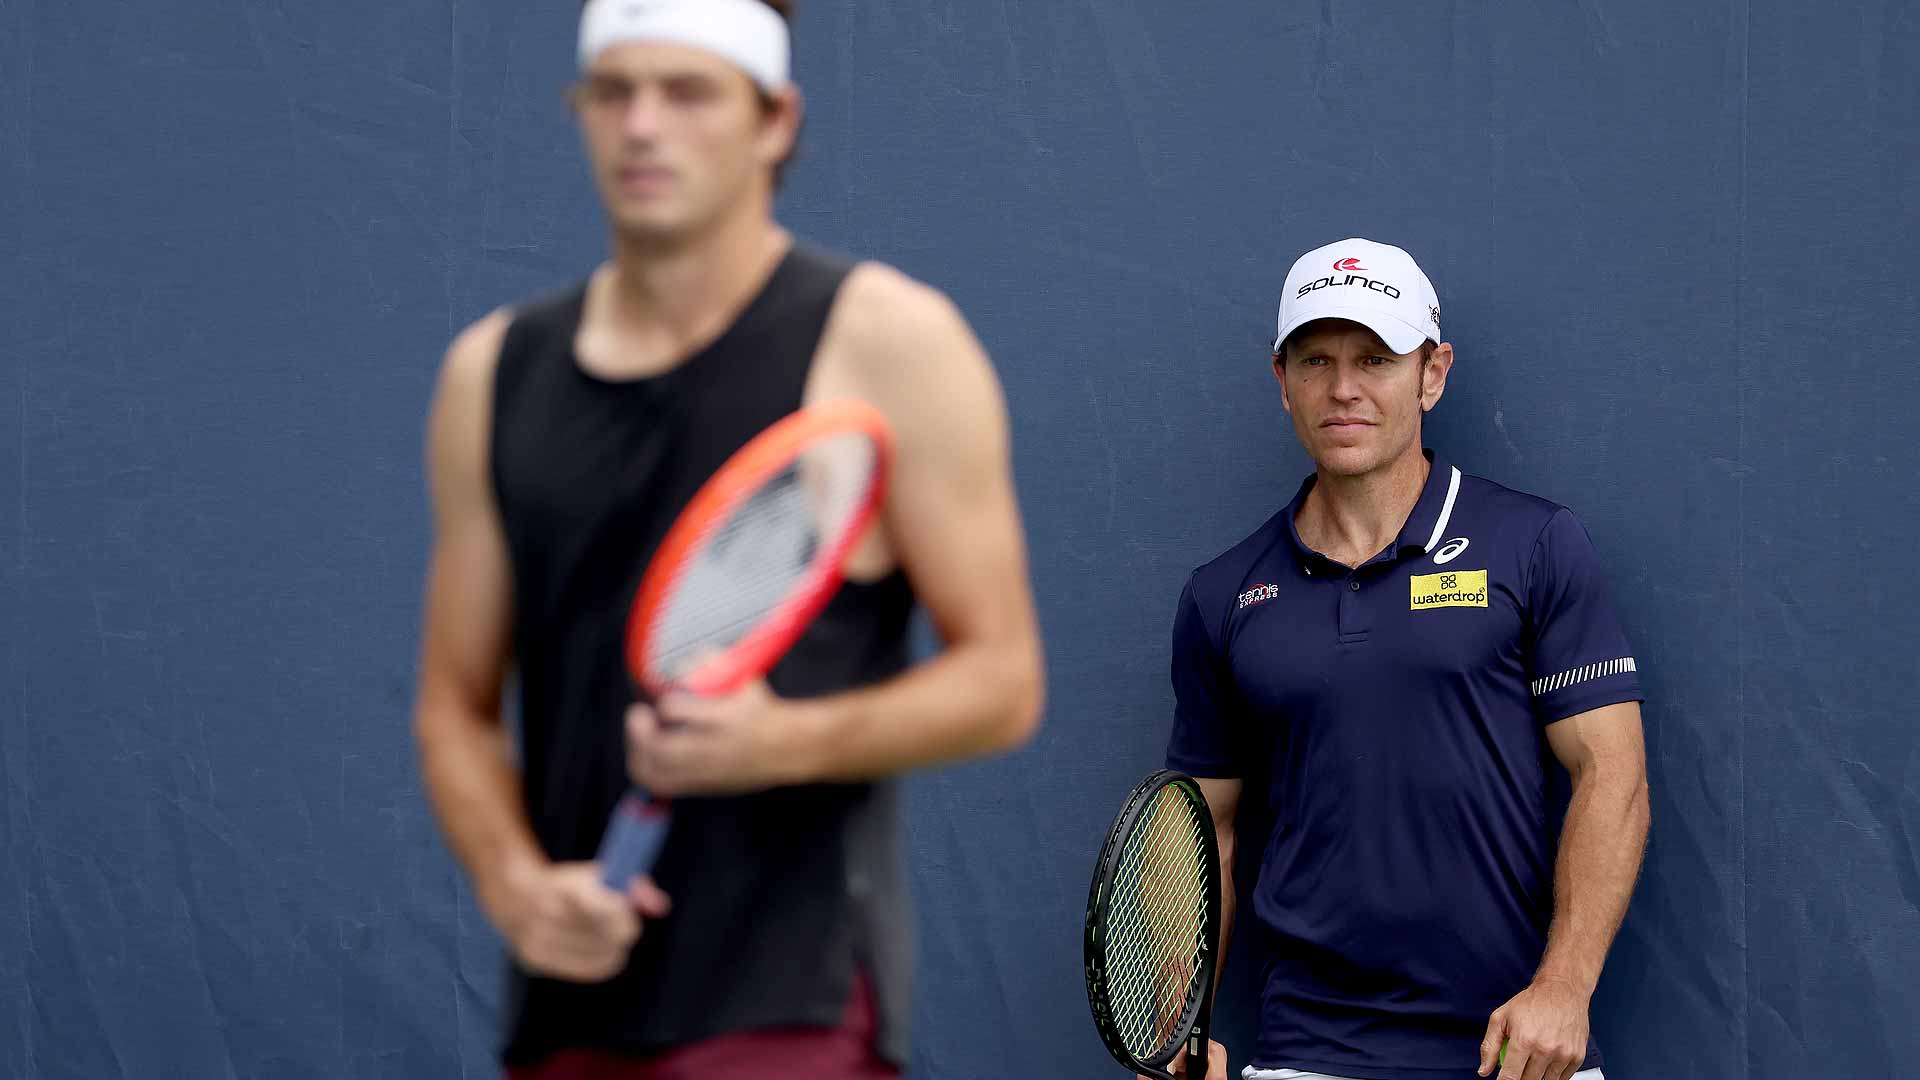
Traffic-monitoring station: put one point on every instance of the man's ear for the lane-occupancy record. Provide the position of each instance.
(1280, 376)
(1433, 376)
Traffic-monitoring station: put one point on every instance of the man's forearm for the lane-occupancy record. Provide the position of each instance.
(972, 699)
(474, 787)
(1601, 847)
(1228, 901)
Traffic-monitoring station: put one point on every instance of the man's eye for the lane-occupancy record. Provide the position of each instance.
(691, 91)
(605, 91)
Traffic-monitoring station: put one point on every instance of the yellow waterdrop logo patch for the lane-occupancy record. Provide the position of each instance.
(1461, 588)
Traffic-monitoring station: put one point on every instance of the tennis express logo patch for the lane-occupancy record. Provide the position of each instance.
(1258, 594)
(1462, 588)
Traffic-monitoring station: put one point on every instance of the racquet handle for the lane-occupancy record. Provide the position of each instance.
(632, 842)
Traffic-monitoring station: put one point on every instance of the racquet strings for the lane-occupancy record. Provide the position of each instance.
(1156, 923)
(744, 564)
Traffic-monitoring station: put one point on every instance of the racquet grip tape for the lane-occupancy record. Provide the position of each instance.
(634, 837)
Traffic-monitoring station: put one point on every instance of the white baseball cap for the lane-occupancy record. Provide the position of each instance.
(1376, 285)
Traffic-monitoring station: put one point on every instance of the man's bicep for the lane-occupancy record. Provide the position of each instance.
(1609, 737)
(468, 595)
(464, 647)
(951, 512)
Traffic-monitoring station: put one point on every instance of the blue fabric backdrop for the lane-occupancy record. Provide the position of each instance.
(1678, 250)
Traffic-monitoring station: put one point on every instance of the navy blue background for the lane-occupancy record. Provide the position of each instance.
(1677, 250)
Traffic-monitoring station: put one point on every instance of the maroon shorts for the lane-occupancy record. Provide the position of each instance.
(838, 1053)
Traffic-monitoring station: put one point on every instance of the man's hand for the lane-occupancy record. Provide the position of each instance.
(691, 745)
(1544, 1029)
(1216, 1064)
(562, 922)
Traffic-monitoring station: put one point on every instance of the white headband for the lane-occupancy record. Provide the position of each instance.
(746, 33)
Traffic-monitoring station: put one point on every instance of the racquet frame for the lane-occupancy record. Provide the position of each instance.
(763, 457)
(1195, 1016)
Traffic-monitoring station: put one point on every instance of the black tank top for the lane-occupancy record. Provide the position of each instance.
(778, 896)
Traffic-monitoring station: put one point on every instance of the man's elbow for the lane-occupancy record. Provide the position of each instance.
(435, 714)
(1021, 676)
(435, 727)
(442, 717)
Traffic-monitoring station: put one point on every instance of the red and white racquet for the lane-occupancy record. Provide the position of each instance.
(749, 563)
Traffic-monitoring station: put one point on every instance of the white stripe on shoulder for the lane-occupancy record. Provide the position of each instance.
(1446, 510)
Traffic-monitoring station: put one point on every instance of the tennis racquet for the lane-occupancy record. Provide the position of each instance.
(1153, 928)
(754, 557)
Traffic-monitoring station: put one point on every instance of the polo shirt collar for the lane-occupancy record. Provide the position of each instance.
(1426, 527)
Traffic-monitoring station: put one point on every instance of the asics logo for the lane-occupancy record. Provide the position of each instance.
(1450, 551)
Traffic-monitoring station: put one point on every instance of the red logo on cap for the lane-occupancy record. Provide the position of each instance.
(1347, 266)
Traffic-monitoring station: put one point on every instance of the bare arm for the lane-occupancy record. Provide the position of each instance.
(558, 918)
(466, 759)
(1603, 841)
(952, 521)
(1223, 799)
(954, 524)
(1545, 1026)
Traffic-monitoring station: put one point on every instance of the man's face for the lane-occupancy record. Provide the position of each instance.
(677, 137)
(1356, 405)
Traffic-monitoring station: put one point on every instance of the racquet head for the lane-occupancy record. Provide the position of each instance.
(759, 550)
(1153, 918)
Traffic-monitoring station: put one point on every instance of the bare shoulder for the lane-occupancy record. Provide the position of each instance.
(467, 371)
(900, 343)
(459, 427)
(877, 297)
(883, 316)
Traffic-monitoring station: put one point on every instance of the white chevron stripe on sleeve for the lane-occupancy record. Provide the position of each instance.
(1586, 673)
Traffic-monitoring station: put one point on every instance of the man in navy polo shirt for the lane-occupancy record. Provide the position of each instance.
(1395, 655)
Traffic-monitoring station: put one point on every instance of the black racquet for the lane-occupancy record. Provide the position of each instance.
(1153, 928)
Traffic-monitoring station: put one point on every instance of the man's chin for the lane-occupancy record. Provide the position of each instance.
(650, 226)
(1347, 460)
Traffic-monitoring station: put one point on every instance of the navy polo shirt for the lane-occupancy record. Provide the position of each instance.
(1399, 708)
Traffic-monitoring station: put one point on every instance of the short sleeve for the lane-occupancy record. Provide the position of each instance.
(1581, 659)
(1204, 736)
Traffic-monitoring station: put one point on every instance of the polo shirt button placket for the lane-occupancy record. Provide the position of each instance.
(1353, 620)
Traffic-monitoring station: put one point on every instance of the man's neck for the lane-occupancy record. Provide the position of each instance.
(653, 305)
(1350, 519)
